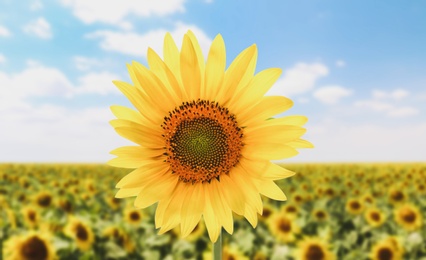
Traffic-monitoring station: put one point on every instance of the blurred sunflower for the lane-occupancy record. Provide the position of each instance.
(290, 209)
(354, 206)
(29, 246)
(409, 217)
(31, 217)
(80, 232)
(374, 217)
(320, 215)
(206, 137)
(396, 196)
(388, 249)
(283, 227)
(43, 199)
(133, 216)
(313, 249)
(267, 211)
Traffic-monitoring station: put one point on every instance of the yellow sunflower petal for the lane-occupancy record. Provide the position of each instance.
(237, 71)
(215, 68)
(250, 191)
(300, 143)
(155, 190)
(268, 151)
(135, 177)
(276, 172)
(271, 190)
(233, 194)
(124, 193)
(190, 69)
(273, 134)
(192, 208)
(126, 113)
(172, 56)
(266, 108)
(255, 89)
(251, 215)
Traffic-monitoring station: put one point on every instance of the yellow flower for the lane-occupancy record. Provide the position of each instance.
(43, 199)
(313, 249)
(388, 249)
(354, 206)
(282, 226)
(396, 196)
(205, 136)
(29, 246)
(133, 216)
(374, 217)
(320, 215)
(31, 216)
(81, 233)
(409, 217)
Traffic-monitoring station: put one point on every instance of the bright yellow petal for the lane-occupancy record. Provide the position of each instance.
(122, 112)
(233, 194)
(190, 69)
(255, 89)
(221, 208)
(192, 208)
(171, 56)
(300, 143)
(211, 220)
(215, 68)
(200, 58)
(172, 216)
(271, 190)
(141, 136)
(124, 193)
(251, 215)
(273, 134)
(276, 172)
(237, 71)
(266, 108)
(155, 190)
(250, 191)
(162, 71)
(137, 177)
(268, 151)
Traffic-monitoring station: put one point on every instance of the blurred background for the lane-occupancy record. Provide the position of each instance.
(355, 68)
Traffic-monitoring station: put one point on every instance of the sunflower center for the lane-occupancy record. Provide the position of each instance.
(375, 216)
(34, 248)
(408, 216)
(44, 200)
(32, 216)
(397, 196)
(314, 252)
(203, 141)
(284, 225)
(134, 216)
(355, 205)
(81, 233)
(291, 209)
(385, 254)
(320, 214)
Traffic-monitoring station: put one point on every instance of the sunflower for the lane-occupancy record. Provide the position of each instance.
(320, 215)
(283, 227)
(396, 196)
(354, 206)
(388, 249)
(81, 233)
(120, 237)
(31, 216)
(409, 217)
(205, 136)
(290, 209)
(133, 216)
(43, 199)
(29, 246)
(374, 217)
(313, 249)
(267, 211)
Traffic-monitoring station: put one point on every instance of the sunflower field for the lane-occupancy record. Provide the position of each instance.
(333, 211)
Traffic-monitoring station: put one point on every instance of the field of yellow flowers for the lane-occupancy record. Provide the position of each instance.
(333, 211)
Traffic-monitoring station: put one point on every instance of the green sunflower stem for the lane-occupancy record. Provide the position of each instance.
(217, 248)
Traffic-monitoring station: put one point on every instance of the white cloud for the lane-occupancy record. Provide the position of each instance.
(97, 83)
(331, 94)
(2, 58)
(85, 63)
(336, 141)
(340, 63)
(387, 108)
(39, 27)
(36, 5)
(137, 44)
(114, 12)
(396, 94)
(4, 32)
(299, 79)
(52, 133)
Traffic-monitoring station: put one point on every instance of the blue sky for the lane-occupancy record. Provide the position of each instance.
(355, 68)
